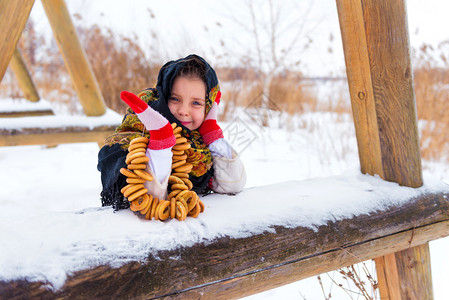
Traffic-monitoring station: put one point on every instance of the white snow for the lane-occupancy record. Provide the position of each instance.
(21, 105)
(53, 223)
(58, 121)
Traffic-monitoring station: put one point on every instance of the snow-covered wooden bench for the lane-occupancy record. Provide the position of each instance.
(16, 108)
(380, 77)
(53, 130)
(240, 245)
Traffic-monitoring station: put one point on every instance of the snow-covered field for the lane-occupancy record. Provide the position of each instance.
(52, 222)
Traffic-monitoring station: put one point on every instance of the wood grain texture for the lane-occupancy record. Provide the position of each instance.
(392, 81)
(388, 277)
(377, 53)
(24, 79)
(55, 136)
(358, 69)
(26, 113)
(13, 17)
(75, 58)
(406, 274)
(414, 265)
(229, 268)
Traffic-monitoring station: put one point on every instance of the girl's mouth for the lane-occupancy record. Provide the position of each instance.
(185, 123)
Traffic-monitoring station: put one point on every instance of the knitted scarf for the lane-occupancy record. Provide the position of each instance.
(112, 155)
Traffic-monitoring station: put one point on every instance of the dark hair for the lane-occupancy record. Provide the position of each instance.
(193, 68)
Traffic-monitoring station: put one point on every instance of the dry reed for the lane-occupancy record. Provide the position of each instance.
(118, 62)
(432, 95)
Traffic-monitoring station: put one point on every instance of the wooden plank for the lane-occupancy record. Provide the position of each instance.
(26, 113)
(75, 58)
(54, 136)
(13, 17)
(377, 56)
(24, 79)
(269, 278)
(360, 86)
(413, 265)
(232, 268)
(378, 29)
(388, 277)
(392, 80)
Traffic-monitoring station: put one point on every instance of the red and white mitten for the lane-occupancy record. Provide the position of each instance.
(209, 130)
(161, 132)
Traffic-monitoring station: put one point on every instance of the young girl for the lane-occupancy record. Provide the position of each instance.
(187, 93)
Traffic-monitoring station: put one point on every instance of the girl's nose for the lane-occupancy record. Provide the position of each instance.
(183, 110)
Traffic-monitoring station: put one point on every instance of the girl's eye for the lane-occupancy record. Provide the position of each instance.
(173, 99)
(197, 103)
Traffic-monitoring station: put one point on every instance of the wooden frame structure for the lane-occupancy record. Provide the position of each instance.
(24, 79)
(230, 268)
(377, 55)
(13, 17)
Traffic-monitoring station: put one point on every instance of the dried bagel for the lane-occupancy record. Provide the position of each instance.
(182, 201)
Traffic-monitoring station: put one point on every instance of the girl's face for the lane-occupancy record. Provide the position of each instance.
(188, 101)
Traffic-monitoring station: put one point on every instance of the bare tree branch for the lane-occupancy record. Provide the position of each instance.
(255, 32)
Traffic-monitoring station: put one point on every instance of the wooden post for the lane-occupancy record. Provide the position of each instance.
(405, 274)
(75, 58)
(377, 55)
(13, 17)
(26, 83)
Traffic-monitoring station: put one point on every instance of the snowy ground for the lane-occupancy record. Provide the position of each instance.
(51, 219)
(53, 224)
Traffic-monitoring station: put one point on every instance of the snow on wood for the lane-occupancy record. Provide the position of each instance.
(8, 105)
(59, 129)
(221, 255)
(70, 241)
(61, 121)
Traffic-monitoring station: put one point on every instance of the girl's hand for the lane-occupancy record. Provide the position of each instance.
(209, 130)
(161, 132)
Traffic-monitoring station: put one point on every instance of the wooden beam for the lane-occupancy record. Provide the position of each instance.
(399, 272)
(377, 54)
(54, 136)
(13, 17)
(360, 86)
(26, 113)
(233, 268)
(75, 58)
(26, 83)
(378, 67)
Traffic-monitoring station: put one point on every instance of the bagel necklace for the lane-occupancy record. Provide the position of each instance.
(181, 202)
